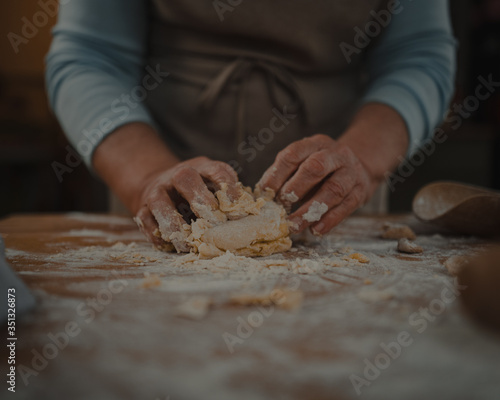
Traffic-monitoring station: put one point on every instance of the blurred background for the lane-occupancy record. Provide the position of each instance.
(32, 144)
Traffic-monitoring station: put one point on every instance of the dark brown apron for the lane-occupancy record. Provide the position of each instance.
(248, 77)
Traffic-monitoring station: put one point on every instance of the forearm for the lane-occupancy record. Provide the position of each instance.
(378, 136)
(128, 157)
(411, 68)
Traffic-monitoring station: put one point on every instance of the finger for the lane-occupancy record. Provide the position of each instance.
(190, 185)
(311, 172)
(288, 160)
(149, 227)
(331, 193)
(170, 222)
(337, 214)
(219, 173)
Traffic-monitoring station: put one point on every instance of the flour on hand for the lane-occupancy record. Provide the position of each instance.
(315, 212)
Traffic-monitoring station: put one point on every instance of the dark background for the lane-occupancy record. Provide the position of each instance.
(31, 140)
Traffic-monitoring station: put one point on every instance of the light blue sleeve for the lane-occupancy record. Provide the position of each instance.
(412, 67)
(94, 68)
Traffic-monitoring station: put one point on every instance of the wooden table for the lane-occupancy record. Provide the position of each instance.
(392, 328)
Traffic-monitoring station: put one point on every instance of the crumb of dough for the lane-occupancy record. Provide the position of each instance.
(368, 282)
(281, 298)
(345, 250)
(195, 308)
(150, 281)
(168, 247)
(359, 257)
(165, 246)
(455, 264)
(178, 239)
(293, 225)
(290, 197)
(267, 193)
(287, 200)
(397, 231)
(315, 212)
(247, 203)
(405, 246)
(374, 296)
(206, 212)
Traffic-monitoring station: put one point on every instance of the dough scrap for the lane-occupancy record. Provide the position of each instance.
(397, 231)
(405, 246)
(359, 257)
(290, 197)
(255, 226)
(150, 281)
(195, 308)
(282, 298)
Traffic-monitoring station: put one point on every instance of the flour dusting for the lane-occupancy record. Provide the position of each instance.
(315, 212)
(219, 322)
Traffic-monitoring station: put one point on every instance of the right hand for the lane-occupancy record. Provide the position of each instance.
(185, 189)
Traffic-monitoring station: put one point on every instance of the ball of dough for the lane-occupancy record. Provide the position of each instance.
(255, 225)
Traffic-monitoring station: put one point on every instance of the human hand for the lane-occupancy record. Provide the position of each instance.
(319, 170)
(171, 198)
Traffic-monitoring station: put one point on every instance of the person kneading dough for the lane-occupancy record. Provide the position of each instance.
(175, 103)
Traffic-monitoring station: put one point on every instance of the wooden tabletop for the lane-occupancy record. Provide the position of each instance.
(116, 319)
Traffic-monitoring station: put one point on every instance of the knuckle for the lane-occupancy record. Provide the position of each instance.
(315, 166)
(156, 194)
(335, 188)
(289, 156)
(334, 218)
(358, 198)
(347, 153)
(182, 173)
(222, 169)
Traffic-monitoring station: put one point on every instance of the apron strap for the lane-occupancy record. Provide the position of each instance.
(241, 70)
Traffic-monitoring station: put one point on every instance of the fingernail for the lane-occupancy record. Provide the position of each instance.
(317, 230)
(294, 224)
(139, 222)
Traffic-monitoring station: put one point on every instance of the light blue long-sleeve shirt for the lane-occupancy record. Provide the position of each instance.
(99, 49)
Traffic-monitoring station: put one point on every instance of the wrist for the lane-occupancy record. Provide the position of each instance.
(378, 137)
(129, 158)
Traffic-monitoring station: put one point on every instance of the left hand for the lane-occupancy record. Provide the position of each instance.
(318, 168)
